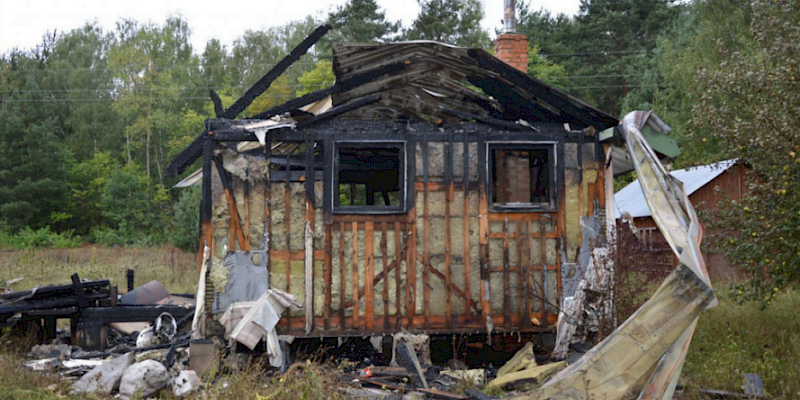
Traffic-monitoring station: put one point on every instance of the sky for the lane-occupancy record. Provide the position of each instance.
(24, 22)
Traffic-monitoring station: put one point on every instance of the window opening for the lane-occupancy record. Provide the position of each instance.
(522, 177)
(369, 177)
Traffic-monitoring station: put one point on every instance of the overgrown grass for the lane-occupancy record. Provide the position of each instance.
(40, 267)
(734, 339)
(16, 382)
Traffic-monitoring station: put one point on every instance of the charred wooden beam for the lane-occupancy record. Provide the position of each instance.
(236, 222)
(186, 157)
(338, 87)
(488, 120)
(575, 109)
(349, 106)
(263, 84)
(218, 110)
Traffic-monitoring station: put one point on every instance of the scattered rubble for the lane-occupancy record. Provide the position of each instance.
(104, 378)
(143, 379)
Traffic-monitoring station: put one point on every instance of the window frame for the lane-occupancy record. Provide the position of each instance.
(401, 145)
(552, 153)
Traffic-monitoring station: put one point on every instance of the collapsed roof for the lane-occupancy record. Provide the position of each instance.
(414, 81)
(424, 80)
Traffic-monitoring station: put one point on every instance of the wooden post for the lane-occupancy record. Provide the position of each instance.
(369, 275)
(426, 280)
(385, 260)
(328, 286)
(356, 324)
(309, 277)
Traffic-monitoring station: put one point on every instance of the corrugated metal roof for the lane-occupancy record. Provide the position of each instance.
(631, 199)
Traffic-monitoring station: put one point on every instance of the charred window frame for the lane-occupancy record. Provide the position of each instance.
(369, 178)
(522, 176)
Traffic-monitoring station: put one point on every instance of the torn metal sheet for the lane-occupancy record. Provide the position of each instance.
(247, 278)
(643, 357)
(620, 366)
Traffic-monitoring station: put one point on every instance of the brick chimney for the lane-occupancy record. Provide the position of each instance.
(511, 47)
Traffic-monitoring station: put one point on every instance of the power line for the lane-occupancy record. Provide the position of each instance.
(294, 86)
(590, 53)
(123, 69)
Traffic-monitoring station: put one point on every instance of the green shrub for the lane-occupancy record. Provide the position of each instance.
(28, 238)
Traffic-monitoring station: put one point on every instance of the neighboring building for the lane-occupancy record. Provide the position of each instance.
(706, 186)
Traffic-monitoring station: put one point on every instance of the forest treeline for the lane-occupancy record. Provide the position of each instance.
(90, 118)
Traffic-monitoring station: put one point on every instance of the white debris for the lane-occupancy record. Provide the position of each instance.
(143, 379)
(185, 383)
(145, 337)
(103, 378)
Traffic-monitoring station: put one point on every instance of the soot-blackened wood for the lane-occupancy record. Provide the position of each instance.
(342, 276)
(287, 217)
(246, 206)
(218, 109)
(235, 220)
(467, 261)
(349, 106)
(328, 274)
(543, 263)
(574, 108)
(268, 205)
(369, 275)
(385, 273)
(398, 256)
(411, 266)
(448, 258)
(483, 229)
(338, 87)
(187, 156)
(354, 272)
(206, 203)
(500, 123)
(520, 267)
(310, 171)
(455, 289)
(426, 280)
(506, 279)
(376, 280)
(263, 84)
(79, 292)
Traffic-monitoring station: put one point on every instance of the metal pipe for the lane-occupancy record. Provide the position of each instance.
(509, 16)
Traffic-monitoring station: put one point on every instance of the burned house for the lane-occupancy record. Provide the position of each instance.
(431, 188)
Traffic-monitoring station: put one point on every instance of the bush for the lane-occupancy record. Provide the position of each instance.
(186, 220)
(28, 238)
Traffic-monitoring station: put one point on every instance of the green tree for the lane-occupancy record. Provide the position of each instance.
(606, 48)
(153, 65)
(256, 52)
(316, 79)
(212, 65)
(186, 219)
(32, 162)
(456, 22)
(77, 78)
(358, 21)
(87, 182)
(751, 105)
(542, 68)
(693, 44)
(134, 206)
